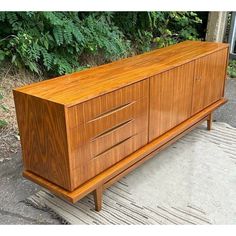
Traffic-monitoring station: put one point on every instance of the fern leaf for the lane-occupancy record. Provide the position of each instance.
(2, 16)
(58, 35)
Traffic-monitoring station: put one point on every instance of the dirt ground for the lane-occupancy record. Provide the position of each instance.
(13, 187)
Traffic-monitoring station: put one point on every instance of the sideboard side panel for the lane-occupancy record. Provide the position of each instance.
(170, 99)
(43, 138)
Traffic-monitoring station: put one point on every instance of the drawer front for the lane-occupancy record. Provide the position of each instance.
(107, 103)
(106, 134)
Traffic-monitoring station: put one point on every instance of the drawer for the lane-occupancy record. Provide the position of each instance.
(107, 103)
(99, 140)
(108, 158)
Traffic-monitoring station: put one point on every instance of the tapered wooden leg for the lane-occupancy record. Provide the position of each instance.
(98, 198)
(209, 121)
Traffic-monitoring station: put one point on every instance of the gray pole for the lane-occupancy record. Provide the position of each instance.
(216, 26)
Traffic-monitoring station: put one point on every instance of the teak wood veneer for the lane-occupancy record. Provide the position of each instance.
(82, 132)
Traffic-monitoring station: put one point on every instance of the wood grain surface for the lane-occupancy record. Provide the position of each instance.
(78, 131)
(115, 125)
(43, 138)
(81, 86)
(209, 79)
(114, 173)
(170, 99)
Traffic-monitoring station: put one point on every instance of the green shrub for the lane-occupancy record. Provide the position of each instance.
(158, 28)
(232, 69)
(56, 42)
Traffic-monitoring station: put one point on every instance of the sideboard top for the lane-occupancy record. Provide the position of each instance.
(80, 86)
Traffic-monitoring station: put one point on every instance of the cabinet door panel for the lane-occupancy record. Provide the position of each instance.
(209, 79)
(170, 99)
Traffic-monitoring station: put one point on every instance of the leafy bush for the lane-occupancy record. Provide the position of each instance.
(232, 69)
(54, 41)
(160, 28)
(57, 42)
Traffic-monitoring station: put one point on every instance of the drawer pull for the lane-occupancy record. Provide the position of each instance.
(107, 113)
(117, 144)
(106, 132)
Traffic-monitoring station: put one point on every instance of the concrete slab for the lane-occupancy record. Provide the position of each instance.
(227, 113)
(13, 190)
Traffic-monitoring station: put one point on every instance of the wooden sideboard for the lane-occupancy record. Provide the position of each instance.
(82, 132)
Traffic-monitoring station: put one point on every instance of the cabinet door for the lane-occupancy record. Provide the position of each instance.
(106, 129)
(209, 79)
(170, 99)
